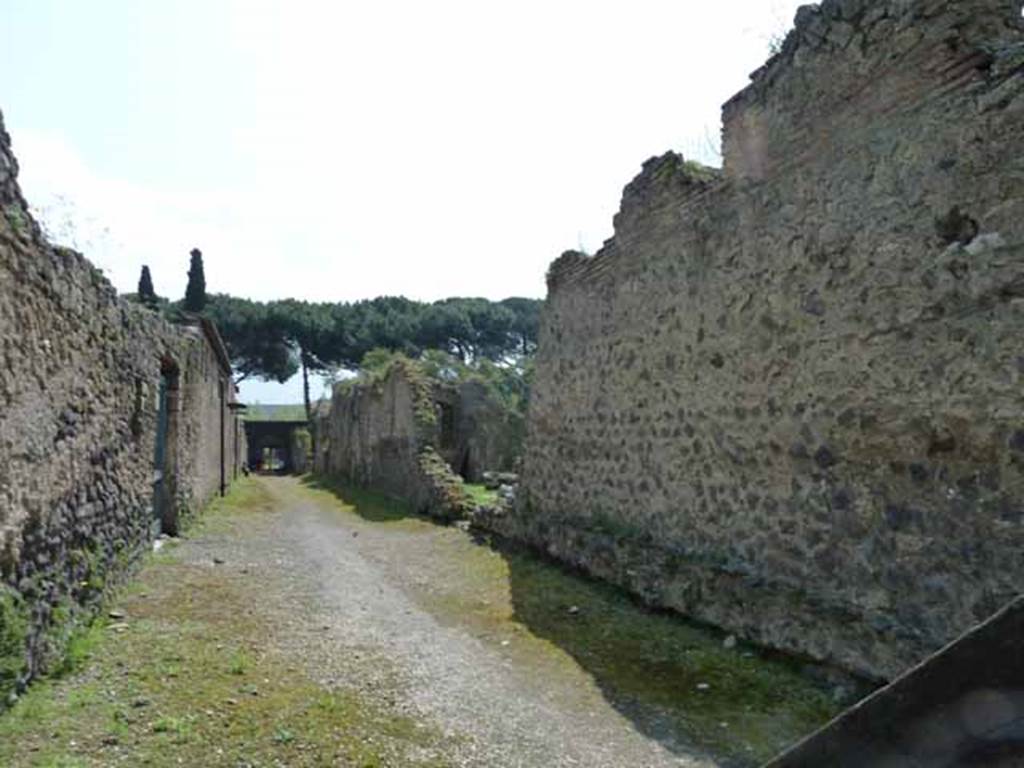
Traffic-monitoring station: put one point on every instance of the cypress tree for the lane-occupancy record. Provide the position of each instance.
(146, 293)
(195, 291)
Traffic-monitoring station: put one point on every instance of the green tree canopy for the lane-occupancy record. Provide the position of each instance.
(525, 322)
(275, 339)
(256, 345)
(314, 332)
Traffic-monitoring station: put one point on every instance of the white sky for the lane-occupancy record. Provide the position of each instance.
(339, 150)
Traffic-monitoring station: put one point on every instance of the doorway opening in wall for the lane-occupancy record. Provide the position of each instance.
(447, 423)
(466, 466)
(273, 459)
(165, 454)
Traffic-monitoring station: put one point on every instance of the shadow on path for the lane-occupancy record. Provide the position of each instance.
(372, 506)
(682, 683)
(679, 682)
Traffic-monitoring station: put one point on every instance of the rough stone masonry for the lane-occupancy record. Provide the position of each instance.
(113, 425)
(387, 434)
(787, 398)
(415, 438)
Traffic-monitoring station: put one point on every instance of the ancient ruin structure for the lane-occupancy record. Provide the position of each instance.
(114, 424)
(476, 434)
(786, 398)
(402, 433)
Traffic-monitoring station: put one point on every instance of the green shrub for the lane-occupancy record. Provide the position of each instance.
(13, 634)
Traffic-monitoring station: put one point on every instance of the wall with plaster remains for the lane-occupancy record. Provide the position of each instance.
(788, 398)
(80, 383)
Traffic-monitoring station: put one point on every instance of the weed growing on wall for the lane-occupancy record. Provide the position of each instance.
(16, 218)
(13, 634)
(451, 498)
(448, 498)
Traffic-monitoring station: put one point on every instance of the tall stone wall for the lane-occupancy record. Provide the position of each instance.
(210, 444)
(786, 398)
(80, 393)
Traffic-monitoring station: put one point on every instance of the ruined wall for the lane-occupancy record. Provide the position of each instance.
(485, 436)
(385, 435)
(80, 375)
(787, 398)
(299, 446)
(476, 433)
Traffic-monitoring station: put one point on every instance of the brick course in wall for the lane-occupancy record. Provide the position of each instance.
(80, 384)
(787, 398)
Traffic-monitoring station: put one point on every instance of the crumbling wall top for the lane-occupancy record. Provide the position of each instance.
(8, 168)
(14, 211)
(848, 62)
(564, 266)
(665, 180)
(846, 76)
(12, 204)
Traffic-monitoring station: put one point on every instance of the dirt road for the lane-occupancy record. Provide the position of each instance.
(356, 591)
(441, 649)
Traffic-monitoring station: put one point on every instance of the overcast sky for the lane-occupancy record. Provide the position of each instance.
(341, 150)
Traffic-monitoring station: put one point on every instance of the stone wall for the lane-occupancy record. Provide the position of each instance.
(210, 445)
(80, 390)
(299, 448)
(385, 434)
(785, 398)
(481, 435)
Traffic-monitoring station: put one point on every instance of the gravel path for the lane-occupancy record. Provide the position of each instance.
(345, 599)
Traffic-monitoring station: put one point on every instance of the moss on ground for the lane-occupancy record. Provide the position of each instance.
(735, 702)
(670, 676)
(186, 678)
(229, 514)
(481, 495)
(739, 704)
(372, 506)
(13, 632)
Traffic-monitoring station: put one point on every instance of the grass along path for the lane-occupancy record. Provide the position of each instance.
(303, 624)
(677, 682)
(184, 675)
